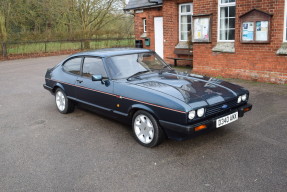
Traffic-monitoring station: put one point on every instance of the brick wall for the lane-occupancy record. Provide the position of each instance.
(170, 26)
(149, 15)
(250, 61)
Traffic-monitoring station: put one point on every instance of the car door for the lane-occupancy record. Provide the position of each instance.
(96, 93)
(72, 70)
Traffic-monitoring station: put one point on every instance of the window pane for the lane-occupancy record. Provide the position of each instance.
(184, 36)
(183, 9)
(189, 19)
(73, 66)
(223, 34)
(223, 12)
(231, 23)
(184, 19)
(231, 34)
(189, 27)
(184, 27)
(188, 8)
(144, 25)
(228, 1)
(93, 66)
(232, 11)
(223, 23)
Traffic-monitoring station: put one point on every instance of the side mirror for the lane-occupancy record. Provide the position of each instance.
(97, 78)
(104, 80)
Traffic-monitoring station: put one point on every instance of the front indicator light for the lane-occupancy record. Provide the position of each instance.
(247, 109)
(191, 115)
(200, 112)
(239, 99)
(200, 127)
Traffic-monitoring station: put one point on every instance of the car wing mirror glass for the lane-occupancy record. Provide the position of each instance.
(97, 78)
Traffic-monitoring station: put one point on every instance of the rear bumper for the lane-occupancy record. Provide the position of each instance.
(179, 132)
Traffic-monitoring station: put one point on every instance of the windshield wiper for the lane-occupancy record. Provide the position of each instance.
(138, 73)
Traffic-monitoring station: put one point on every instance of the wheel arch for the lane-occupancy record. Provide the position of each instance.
(136, 107)
(56, 86)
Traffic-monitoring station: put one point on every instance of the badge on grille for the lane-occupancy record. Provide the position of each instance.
(224, 107)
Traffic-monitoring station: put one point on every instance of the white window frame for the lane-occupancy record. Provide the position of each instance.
(218, 19)
(285, 25)
(144, 25)
(180, 14)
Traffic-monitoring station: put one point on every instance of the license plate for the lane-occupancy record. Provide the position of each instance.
(226, 120)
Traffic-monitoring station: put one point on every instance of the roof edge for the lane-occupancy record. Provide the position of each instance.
(143, 7)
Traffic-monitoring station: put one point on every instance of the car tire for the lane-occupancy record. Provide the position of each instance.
(146, 129)
(64, 105)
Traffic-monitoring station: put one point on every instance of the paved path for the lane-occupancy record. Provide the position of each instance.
(43, 150)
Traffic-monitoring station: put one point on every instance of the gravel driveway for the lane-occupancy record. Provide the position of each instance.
(43, 150)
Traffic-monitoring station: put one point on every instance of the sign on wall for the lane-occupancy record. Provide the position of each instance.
(255, 27)
(201, 28)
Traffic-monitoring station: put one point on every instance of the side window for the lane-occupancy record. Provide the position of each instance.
(93, 66)
(73, 66)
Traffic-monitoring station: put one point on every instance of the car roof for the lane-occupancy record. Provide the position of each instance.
(112, 52)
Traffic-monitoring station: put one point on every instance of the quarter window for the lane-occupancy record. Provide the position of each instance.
(93, 66)
(73, 66)
(226, 12)
(185, 20)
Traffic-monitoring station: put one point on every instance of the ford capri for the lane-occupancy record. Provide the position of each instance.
(137, 87)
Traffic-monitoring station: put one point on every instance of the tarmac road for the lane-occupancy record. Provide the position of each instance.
(43, 150)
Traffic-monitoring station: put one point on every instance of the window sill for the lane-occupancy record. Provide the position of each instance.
(224, 47)
(183, 45)
(282, 50)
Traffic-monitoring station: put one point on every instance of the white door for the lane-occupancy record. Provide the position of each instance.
(158, 35)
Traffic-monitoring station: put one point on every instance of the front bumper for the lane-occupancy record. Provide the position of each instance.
(179, 132)
(48, 88)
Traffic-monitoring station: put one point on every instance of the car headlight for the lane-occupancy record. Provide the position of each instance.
(200, 112)
(244, 97)
(191, 115)
(239, 99)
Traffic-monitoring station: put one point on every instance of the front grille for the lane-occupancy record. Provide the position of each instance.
(218, 108)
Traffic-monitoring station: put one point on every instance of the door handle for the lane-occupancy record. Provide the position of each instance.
(79, 81)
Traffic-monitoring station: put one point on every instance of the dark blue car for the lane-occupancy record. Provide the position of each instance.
(136, 86)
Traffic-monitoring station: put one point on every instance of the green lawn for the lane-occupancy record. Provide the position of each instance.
(26, 48)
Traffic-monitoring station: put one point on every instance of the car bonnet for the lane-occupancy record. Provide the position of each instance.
(191, 88)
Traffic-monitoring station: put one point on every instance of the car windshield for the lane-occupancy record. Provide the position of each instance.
(127, 66)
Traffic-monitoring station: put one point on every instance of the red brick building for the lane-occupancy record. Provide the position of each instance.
(244, 39)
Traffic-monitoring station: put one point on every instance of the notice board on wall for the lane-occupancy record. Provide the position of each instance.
(201, 31)
(255, 27)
